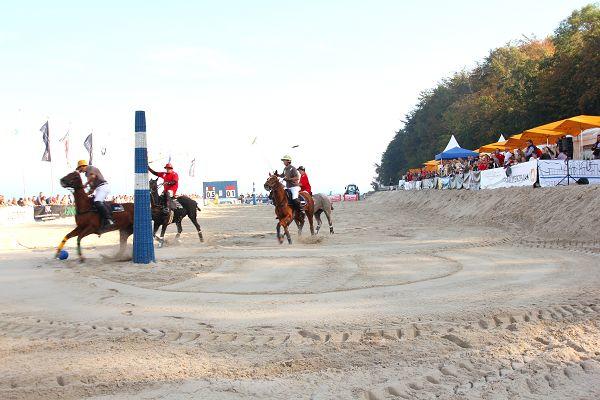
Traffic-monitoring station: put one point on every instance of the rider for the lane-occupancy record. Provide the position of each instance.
(304, 183)
(170, 184)
(291, 176)
(99, 187)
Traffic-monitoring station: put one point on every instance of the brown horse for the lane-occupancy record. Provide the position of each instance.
(88, 221)
(285, 213)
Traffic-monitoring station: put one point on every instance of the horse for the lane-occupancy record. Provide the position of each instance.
(286, 213)
(161, 219)
(88, 220)
(323, 205)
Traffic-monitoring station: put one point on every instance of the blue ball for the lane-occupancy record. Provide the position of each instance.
(63, 255)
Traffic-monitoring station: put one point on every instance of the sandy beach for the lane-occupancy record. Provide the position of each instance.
(418, 295)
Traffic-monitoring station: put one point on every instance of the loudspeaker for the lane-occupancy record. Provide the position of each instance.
(565, 145)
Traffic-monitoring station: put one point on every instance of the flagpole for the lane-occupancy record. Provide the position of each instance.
(51, 180)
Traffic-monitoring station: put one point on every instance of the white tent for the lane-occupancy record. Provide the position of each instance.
(501, 138)
(452, 143)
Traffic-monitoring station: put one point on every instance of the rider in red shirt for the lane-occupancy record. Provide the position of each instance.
(304, 183)
(170, 184)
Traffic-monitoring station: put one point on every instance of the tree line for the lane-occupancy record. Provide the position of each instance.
(517, 86)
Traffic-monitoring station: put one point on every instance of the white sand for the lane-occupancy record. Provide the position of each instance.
(450, 295)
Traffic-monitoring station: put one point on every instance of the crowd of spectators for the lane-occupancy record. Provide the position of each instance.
(495, 159)
(39, 200)
(63, 200)
(247, 198)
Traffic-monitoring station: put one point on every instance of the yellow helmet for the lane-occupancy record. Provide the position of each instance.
(82, 163)
(286, 158)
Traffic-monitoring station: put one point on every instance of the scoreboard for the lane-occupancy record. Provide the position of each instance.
(225, 191)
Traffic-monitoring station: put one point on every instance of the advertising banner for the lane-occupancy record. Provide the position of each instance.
(554, 172)
(335, 198)
(350, 197)
(524, 174)
(15, 215)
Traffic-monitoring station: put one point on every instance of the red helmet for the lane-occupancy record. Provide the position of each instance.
(168, 166)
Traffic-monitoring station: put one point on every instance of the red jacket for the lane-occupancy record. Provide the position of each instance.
(304, 184)
(168, 179)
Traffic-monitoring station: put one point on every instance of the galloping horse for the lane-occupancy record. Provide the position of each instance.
(323, 205)
(159, 218)
(286, 213)
(88, 221)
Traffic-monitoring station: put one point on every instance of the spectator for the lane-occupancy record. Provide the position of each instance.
(596, 148)
(561, 156)
(546, 154)
(530, 150)
(484, 162)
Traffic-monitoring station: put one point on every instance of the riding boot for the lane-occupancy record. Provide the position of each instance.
(105, 219)
(298, 205)
(167, 205)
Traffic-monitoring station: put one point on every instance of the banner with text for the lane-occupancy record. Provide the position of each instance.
(524, 174)
(554, 172)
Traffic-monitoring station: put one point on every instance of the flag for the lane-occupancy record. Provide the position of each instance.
(65, 141)
(87, 143)
(193, 168)
(46, 138)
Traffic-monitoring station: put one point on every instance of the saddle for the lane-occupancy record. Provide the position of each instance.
(113, 207)
(291, 202)
(174, 203)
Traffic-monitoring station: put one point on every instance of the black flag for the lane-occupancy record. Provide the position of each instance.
(46, 138)
(87, 143)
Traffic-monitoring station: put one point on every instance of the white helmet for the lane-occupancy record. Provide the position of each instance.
(286, 158)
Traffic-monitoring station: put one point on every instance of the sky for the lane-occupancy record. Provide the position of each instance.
(233, 84)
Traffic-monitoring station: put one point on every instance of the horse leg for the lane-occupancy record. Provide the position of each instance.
(311, 223)
(68, 236)
(83, 233)
(278, 228)
(330, 221)
(300, 225)
(318, 218)
(179, 230)
(123, 236)
(155, 229)
(161, 240)
(287, 234)
(197, 225)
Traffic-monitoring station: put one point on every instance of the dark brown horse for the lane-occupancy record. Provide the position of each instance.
(286, 213)
(88, 221)
(190, 208)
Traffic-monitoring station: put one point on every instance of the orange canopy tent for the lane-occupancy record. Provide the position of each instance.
(544, 132)
(431, 165)
(488, 148)
(515, 142)
(575, 125)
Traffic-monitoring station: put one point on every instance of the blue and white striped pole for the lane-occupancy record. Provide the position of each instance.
(143, 246)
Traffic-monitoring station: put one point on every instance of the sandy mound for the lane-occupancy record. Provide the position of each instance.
(566, 212)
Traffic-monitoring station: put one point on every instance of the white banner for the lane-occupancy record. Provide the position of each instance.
(524, 174)
(16, 215)
(554, 172)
